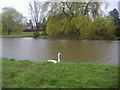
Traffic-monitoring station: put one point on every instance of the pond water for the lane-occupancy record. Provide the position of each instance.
(71, 50)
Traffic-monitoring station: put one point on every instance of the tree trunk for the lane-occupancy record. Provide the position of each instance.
(86, 9)
(9, 31)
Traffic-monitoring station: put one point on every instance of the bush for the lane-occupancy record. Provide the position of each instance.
(43, 33)
(36, 34)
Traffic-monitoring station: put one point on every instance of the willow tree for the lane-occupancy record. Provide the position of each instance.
(12, 21)
(68, 10)
(79, 18)
(100, 28)
(54, 26)
(71, 8)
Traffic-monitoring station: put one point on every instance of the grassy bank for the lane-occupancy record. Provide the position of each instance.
(27, 74)
(23, 34)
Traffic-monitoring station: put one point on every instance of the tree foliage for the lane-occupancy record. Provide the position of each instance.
(79, 18)
(54, 26)
(83, 19)
(91, 9)
(99, 28)
(11, 20)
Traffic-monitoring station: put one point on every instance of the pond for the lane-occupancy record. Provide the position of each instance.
(71, 50)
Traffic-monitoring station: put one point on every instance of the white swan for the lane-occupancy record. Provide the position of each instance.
(54, 61)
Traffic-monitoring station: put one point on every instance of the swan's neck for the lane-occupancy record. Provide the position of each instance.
(58, 58)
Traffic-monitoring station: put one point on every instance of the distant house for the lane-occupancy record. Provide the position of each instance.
(30, 28)
(29, 25)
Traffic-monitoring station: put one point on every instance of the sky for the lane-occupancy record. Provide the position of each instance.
(22, 5)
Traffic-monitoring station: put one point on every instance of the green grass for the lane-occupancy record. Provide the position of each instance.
(22, 34)
(28, 74)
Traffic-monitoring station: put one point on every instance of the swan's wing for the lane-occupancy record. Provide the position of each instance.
(55, 61)
(51, 60)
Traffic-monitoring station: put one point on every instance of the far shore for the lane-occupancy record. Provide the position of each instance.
(49, 37)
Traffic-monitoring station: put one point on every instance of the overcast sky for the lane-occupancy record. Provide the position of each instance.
(22, 5)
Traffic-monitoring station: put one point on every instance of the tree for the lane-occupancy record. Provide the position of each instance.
(79, 18)
(44, 23)
(100, 28)
(54, 26)
(115, 15)
(36, 14)
(69, 10)
(11, 20)
(90, 9)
